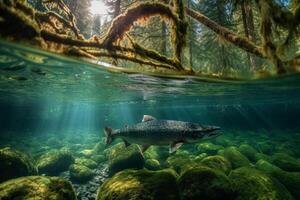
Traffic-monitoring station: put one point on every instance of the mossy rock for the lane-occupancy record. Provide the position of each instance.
(180, 163)
(98, 158)
(248, 151)
(152, 164)
(236, 158)
(159, 153)
(209, 148)
(86, 162)
(262, 156)
(286, 162)
(86, 153)
(80, 173)
(99, 148)
(291, 180)
(203, 183)
(54, 162)
(15, 164)
(54, 142)
(37, 188)
(140, 185)
(129, 157)
(217, 162)
(223, 140)
(249, 183)
(200, 157)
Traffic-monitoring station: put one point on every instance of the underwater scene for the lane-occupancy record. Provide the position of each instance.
(73, 130)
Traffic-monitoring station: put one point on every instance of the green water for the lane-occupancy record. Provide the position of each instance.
(48, 102)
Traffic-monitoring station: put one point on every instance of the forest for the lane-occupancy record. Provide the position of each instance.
(218, 38)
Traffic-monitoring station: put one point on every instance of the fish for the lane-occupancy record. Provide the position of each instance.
(152, 131)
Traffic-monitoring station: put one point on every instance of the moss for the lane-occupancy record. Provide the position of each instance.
(152, 164)
(204, 183)
(121, 157)
(54, 162)
(291, 180)
(15, 164)
(248, 151)
(250, 183)
(217, 162)
(180, 163)
(37, 188)
(140, 185)
(98, 158)
(86, 162)
(209, 148)
(286, 162)
(236, 158)
(80, 173)
(86, 153)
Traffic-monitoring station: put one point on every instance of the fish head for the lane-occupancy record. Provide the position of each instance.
(200, 133)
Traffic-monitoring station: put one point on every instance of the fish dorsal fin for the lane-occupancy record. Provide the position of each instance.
(148, 118)
(175, 145)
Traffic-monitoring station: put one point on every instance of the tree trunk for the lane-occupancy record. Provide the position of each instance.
(248, 24)
(164, 38)
(190, 39)
(228, 35)
(117, 9)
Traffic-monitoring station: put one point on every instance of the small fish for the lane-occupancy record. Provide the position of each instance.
(161, 132)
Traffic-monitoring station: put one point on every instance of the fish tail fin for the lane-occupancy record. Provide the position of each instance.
(108, 133)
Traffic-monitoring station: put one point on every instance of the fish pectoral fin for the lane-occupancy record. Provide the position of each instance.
(148, 118)
(174, 146)
(145, 147)
(126, 143)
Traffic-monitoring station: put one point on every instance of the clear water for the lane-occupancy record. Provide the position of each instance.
(44, 95)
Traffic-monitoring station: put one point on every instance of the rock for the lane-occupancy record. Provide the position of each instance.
(86, 162)
(180, 163)
(125, 158)
(223, 140)
(54, 162)
(291, 180)
(249, 183)
(203, 183)
(209, 148)
(140, 185)
(86, 153)
(152, 164)
(15, 164)
(286, 162)
(159, 153)
(248, 151)
(260, 156)
(80, 173)
(236, 158)
(200, 157)
(99, 148)
(37, 188)
(217, 162)
(54, 142)
(98, 158)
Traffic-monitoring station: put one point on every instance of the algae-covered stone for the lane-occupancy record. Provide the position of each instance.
(152, 164)
(86, 153)
(203, 183)
(80, 173)
(37, 188)
(286, 162)
(180, 162)
(98, 158)
(86, 162)
(260, 156)
(249, 183)
(209, 148)
(140, 185)
(217, 162)
(15, 164)
(125, 158)
(54, 162)
(291, 180)
(248, 151)
(157, 152)
(236, 158)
